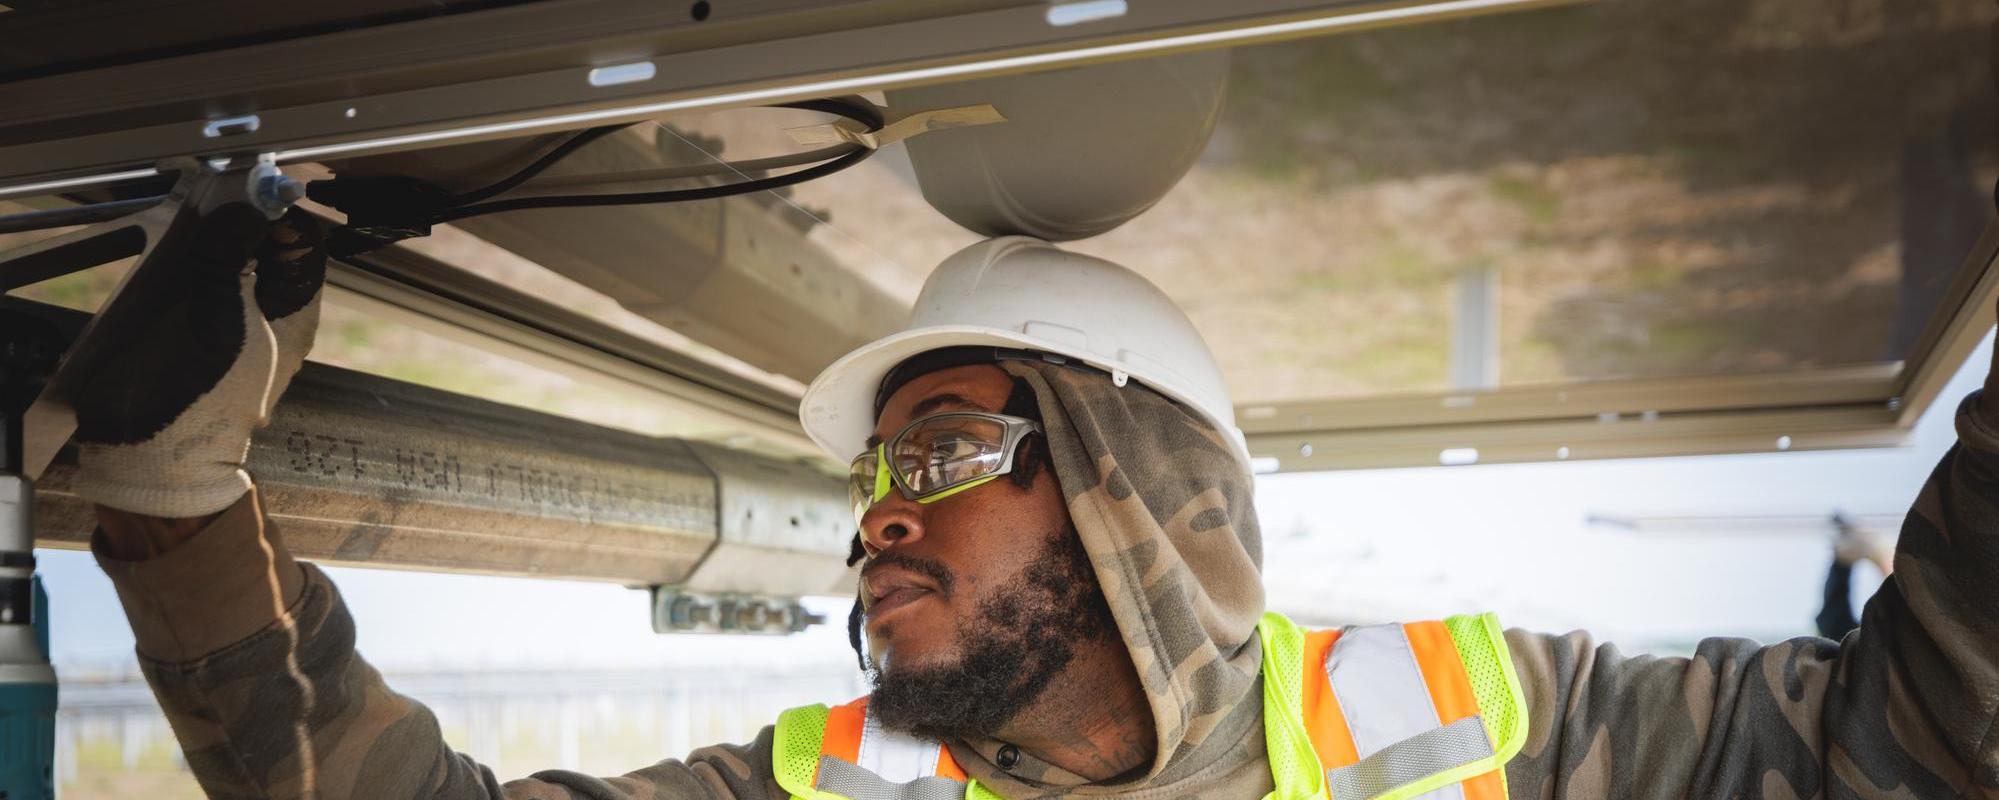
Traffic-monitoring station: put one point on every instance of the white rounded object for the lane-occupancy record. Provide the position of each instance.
(1082, 150)
(1024, 293)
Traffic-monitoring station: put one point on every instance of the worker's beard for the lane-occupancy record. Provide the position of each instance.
(1023, 637)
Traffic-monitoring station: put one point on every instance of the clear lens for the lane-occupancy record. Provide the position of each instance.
(861, 483)
(938, 453)
(948, 450)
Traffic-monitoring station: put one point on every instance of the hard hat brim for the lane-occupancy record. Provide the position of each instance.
(837, 410)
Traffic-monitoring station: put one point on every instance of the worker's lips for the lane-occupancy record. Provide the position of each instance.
(891, 589)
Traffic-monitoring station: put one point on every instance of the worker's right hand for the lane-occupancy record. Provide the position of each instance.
(163, 427)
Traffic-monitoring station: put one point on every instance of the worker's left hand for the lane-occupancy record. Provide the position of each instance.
(164, 426)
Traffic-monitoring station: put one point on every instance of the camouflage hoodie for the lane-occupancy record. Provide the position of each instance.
(1904, 707)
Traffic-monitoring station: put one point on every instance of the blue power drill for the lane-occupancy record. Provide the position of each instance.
(27, 681)
(27, 703)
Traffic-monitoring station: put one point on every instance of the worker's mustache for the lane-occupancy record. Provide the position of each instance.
(933, 570)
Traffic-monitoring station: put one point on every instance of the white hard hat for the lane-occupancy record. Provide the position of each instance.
(1024, 293)
(1082, 150)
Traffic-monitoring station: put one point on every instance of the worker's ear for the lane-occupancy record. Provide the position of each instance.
(1033, 453)
(1029, 459)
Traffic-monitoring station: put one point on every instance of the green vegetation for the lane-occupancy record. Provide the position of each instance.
(1690, 342)
(1415, 360)
(156, 772)
(82, 291)
(1541, 205)
(1653, 277)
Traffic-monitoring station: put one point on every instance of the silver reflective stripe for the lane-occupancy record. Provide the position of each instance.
(1379, 687)
(1426, 754)
(896, 757)
(842, 778)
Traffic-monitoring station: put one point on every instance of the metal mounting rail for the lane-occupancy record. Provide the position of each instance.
(538, 67)
(1810, 409)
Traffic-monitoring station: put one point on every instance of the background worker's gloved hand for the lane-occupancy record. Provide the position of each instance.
(1854, 544)
(163, 427)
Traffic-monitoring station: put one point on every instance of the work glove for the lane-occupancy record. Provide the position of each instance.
(163, 427)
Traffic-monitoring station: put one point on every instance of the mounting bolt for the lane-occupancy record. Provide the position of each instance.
(687, 612)
(800, 618)
(269, 190)
(752, 615)
(279, 191)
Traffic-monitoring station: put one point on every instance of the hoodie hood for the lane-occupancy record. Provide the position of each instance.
(1166, 515)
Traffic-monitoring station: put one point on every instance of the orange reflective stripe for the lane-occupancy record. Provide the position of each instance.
(843, 731)
(1485, 786)
(1443, 671)
(1325, 723)
(947, 766)
(1451, 692)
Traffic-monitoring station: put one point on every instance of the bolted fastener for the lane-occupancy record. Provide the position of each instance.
(276, 193)
(752, 615)
(270, 191)
(279, 191)
(798, 618)
(686, 612)
(678, 611)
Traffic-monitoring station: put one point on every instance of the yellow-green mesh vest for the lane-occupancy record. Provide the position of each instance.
(1402, 748)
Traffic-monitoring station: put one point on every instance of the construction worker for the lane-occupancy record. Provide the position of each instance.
(1061, 594)
(1851, 545)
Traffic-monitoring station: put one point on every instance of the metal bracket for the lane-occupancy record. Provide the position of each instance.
(157, 235)
(678, 611)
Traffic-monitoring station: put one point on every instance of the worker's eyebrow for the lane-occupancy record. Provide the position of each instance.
(930, 405)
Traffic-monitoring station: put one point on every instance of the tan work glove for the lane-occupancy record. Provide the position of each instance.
(163, 428)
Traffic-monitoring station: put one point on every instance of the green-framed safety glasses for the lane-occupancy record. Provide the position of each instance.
(937, 456)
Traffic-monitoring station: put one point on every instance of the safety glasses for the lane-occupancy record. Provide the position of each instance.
(937, 456)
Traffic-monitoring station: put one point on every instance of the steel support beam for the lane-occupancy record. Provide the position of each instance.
(738, 274)
(1610, 436)
(1861, 385)
(360, 470)
(437, 297)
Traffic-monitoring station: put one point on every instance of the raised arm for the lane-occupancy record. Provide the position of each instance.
(231, 674)
(1905, 706)
(250, 653)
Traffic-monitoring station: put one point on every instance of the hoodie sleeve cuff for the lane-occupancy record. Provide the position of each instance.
(212, 591)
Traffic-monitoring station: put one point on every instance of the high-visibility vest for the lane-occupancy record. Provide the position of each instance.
(1414, 711)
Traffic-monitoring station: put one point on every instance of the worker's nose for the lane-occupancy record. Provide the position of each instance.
(893, 521)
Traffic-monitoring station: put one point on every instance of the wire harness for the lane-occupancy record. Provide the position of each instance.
(383, 210)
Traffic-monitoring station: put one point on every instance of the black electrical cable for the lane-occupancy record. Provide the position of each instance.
(547, 160)
(670, 196)
(866, 115)
(767, 164)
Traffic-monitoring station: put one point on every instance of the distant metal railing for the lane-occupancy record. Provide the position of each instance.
(514, 721)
